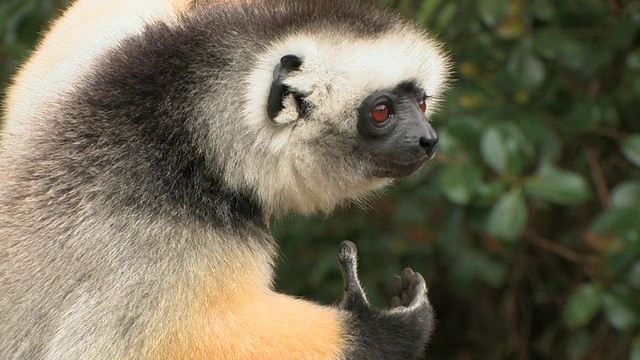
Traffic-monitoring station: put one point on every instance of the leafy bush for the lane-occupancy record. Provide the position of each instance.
(527, 224)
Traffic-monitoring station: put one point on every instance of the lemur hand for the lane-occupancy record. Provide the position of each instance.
(398, 333)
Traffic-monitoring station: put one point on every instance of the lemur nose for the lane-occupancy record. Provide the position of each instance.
(429, 144)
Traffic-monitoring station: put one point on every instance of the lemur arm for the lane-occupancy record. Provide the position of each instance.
(398, 333)
(269, 325)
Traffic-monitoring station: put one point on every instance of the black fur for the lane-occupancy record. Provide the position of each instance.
(131, 121)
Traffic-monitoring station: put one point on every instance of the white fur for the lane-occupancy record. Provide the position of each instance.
(70, 49)
(338, 72)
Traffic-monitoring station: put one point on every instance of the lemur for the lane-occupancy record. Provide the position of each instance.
(147, 143)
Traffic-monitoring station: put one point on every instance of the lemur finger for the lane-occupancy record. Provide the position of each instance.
(348, 257)
(397, 285)
(347, 249)
(396, 302)
(353, 293)
(406, 275)
(418, 290)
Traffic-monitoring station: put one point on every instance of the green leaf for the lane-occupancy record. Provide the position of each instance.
(427, 11)
(505, 149)
(626, 195)
(573, 53)
(494, 150)
(559, 186)
(631, 149)
(623, 33)
(467, 130)
(635, 349)
(524, 67)
(619, 309)
(508, 217)
(547, 143)
(633, 60)
(633, 277)
(579, 344)
(543, 9)
(492, 12)
(615, 220)
(583, 116)
(446, 16)
(583, 305)
(548, 42)
(459, 181)
(619, 263)
(450, 146)
(487, 194)
(609, 113)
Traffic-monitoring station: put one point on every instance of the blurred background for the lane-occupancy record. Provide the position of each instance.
(527, 224)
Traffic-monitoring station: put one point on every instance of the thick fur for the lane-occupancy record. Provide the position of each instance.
(140, 168)
(72, 47)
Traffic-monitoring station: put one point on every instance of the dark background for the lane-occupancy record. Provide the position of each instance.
(527, 224)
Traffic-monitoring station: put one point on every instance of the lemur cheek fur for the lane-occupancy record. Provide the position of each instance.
(146, 144)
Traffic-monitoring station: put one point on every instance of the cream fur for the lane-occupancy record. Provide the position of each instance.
(338, 72)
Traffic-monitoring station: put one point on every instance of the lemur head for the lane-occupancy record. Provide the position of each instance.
(331, 114)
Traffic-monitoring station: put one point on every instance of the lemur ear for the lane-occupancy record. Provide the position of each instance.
(290, 62)
(279, 92)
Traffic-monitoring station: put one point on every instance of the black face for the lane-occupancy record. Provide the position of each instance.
(394, 131)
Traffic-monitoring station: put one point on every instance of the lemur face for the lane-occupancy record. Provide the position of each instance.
(393, 130)
(389, 99)
(346, 114)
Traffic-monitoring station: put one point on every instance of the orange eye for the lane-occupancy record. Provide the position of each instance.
(423, 105)
(381, 113)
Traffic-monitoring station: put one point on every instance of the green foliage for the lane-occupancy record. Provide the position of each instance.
(508, 217)
(527, 223)
(558, 186)
(21, 23)
(635, 350)
(583, 305)
(631, 148)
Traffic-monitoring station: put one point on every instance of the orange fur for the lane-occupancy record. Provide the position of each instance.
(264, 325)
(233, 314)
